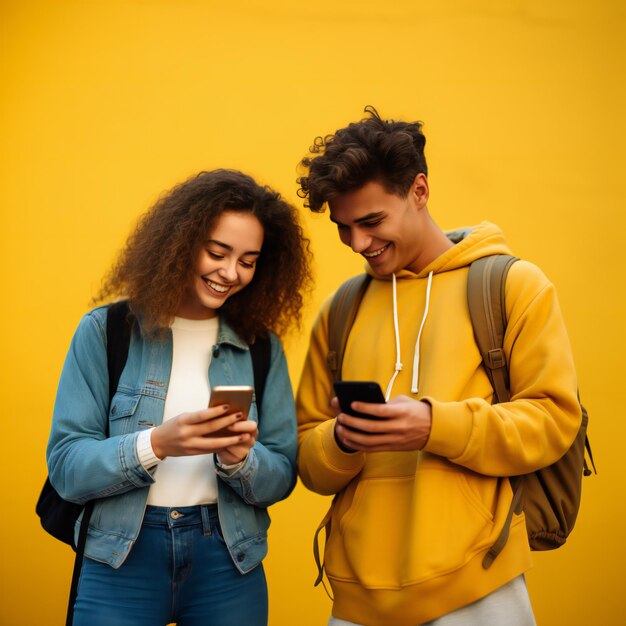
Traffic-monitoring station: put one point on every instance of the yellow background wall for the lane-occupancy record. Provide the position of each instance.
(107, 103)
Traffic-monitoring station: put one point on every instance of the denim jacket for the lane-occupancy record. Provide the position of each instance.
(84, 464)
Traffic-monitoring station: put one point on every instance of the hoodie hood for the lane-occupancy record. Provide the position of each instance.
(471, 243)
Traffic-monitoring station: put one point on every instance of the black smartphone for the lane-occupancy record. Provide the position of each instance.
(238, 397)
(349, 391)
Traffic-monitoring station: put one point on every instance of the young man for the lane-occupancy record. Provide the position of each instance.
(422, 493)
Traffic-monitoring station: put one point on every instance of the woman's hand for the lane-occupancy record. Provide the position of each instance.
(231, 455)
(197, 432)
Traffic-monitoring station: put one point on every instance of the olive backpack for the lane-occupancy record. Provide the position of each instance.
(549, 497)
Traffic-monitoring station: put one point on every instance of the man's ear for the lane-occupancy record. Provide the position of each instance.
(419, 190)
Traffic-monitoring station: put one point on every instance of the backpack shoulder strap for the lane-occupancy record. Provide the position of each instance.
(119, 323)
(343, 309)
(260, 353)
(485, 298)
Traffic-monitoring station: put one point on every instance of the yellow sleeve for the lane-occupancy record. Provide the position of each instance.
(537, 426)
(323, 466)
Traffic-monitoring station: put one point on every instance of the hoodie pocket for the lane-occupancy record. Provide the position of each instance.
(401, 531)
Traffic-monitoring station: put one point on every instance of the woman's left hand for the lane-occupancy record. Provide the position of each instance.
(237, 453)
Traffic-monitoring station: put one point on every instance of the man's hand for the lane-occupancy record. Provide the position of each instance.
(194, 433)
(399, 425)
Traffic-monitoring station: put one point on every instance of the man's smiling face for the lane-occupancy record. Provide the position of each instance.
(386, 229)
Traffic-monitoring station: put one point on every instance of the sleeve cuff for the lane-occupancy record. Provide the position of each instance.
(343, 461)
(451, 428)
(230, 469)
(146, 454)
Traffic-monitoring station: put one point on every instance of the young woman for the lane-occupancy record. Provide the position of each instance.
(181, 491)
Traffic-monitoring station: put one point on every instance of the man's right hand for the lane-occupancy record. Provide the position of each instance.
(402, 424)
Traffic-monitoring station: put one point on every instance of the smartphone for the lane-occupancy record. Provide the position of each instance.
(238, 397)
(349, 391)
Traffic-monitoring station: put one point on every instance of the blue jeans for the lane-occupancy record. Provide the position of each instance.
(179, 571)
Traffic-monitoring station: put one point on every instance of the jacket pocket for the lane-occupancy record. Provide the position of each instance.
(122, 413)
(401, 531)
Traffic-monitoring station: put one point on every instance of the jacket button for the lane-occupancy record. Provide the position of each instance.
(241, 557)
(114, 409)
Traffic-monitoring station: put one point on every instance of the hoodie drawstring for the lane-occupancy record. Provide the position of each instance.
(416, 355)
(398, 366)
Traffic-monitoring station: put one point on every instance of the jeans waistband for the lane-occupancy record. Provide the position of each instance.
(178, 516)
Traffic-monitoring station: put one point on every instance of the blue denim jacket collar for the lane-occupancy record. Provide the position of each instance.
(226, 334)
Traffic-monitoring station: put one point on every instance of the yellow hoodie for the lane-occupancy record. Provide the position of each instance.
(409, 530)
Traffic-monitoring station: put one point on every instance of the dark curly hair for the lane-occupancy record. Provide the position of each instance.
(387, 151)
(155, 267)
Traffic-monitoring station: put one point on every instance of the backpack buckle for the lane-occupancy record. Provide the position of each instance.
(496, 358)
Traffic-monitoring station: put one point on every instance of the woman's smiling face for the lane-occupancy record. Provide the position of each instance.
(225, 265)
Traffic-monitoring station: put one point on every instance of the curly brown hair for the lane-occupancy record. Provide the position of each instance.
(155, 267)
(386, 151)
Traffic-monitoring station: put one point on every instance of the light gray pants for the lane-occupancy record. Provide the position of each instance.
(508, 605)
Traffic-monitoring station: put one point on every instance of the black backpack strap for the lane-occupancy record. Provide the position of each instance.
(343, 310)
(260, 353)
(119, 323)
(78, 562)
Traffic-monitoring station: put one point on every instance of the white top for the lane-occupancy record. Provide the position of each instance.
(184, 480)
